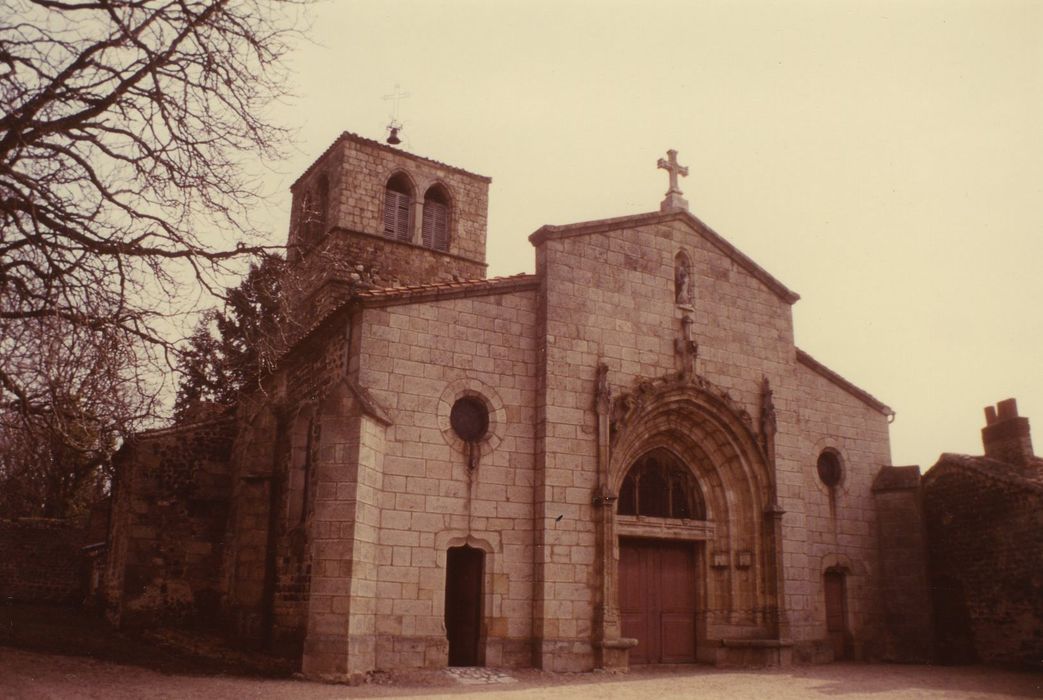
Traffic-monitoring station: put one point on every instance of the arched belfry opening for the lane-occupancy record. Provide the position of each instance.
(398, 208)
(437, 210)
(695, 534)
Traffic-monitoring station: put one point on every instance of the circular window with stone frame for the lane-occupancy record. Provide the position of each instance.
(830, 468)
(469, 418)
(471, 413)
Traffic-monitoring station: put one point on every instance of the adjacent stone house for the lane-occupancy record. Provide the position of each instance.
(622, 458)
(984, 518)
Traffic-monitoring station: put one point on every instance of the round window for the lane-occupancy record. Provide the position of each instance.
(469, 418)
(829, 471)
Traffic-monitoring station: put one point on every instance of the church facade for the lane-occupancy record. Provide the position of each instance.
(621, 458)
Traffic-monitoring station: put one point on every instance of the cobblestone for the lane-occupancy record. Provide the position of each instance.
(473, 675)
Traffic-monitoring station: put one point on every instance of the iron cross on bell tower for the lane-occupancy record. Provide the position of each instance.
(673, 199)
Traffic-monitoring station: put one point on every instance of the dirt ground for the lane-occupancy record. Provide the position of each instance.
(37, 676)
(57, 653)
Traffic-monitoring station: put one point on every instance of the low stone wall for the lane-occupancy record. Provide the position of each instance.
(986, 557)
(903, 565)
(169, 513)
(41, 561)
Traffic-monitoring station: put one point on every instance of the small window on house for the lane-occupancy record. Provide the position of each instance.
(659, 485)
(398, 204)
(435, 230)
(830, 470)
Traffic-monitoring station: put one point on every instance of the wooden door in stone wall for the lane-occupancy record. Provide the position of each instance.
(657, 599)
(463, 604)
(836, 613)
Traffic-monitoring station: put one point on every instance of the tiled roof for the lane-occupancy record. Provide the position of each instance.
(820, 369)
(389, 296)
(443, 290)
(1029, 477)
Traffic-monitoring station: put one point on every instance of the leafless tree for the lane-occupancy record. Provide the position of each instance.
(125, 128)
(88, 390)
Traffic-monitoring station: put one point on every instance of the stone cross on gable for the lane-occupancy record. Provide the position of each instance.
(673, 199)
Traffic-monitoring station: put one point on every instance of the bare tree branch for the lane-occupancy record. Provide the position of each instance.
(124, 125)
(122, 135)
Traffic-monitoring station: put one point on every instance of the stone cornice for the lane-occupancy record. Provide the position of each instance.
(587, 228)
(348, 136)
(861, 394)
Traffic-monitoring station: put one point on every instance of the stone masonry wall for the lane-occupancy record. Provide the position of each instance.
(41, 561)
(832, 528)
(279, 434)
(610, 297)
(170, 509)
(358, 170)
(417, 359)
(986, 549)
(904, 585)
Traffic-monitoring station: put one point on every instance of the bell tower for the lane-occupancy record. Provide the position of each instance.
(366, 215)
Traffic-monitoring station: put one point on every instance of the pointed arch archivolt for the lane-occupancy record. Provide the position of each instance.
(707, 432)
(714, 437)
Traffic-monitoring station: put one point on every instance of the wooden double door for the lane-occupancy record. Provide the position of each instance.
(657, 599)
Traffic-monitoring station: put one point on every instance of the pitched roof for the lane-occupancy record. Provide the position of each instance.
(1029, 477)
(651, 218)
(388, 296)
(393, 296)
(349, 136)
(861, 394)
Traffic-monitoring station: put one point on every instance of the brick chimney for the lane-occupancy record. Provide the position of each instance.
(1006, 435)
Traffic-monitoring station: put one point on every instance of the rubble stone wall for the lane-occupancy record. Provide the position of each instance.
(986, 565)
(168, 522)
(41, 561)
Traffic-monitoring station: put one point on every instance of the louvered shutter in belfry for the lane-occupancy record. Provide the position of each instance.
(396, 215)
(390, 207)
(427, 231)
(436, 225)
(442, 227)
(402, 220)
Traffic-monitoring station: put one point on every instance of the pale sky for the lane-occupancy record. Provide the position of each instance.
(882, 159)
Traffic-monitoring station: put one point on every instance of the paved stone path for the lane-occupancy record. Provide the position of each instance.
(470, 675)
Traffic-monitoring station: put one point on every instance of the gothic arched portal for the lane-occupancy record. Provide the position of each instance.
(695, 511)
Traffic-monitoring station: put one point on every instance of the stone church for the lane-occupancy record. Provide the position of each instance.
(622, 458)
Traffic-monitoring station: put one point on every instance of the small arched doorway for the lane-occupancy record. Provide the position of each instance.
(465, 568)
(835, 586)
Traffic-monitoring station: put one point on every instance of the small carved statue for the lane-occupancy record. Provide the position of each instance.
(681, 283)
